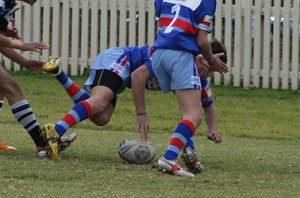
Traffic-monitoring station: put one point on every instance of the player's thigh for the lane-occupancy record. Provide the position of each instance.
(5, 78)
(100, 98)
(9, 87)
(190, 105)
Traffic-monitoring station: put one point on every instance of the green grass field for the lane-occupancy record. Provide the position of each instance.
(260, 155)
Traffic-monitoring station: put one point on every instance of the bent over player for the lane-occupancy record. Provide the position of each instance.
(109, 76)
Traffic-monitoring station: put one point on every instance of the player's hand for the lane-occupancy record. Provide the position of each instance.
(215, 137)
(142, 126)
(34, 46)
(34, 65)
(218, 65)
(203, 68)
(31, 2)
(12, 32)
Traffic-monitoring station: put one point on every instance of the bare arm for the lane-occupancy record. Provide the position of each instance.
(213, 60)
(22, 61)
(11, 43)
(138, 82)
(13, 55)
(212, 124)
(8, 42)
(202, 40)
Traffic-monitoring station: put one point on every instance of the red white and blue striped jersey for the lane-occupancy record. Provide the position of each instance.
(180, 21)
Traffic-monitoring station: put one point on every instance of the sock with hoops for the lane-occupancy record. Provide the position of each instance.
(184, 131)
(72, 88)
(25, 116)
(78, 113)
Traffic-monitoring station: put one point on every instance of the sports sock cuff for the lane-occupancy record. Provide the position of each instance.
(88, 108)
(190, 125)
(19, 104)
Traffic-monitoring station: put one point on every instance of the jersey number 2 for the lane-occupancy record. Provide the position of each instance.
(176, 9)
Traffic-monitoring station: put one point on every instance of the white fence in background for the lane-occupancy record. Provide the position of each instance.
(261, 36)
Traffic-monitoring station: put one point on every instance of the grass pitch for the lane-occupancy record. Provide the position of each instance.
(259, 156)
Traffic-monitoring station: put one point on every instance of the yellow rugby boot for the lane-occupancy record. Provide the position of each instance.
(52, 139)
(52, 66)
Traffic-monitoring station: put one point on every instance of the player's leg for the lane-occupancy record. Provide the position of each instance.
(207, 104)
(4, 146)
(210, 112)
(184, 131)
(105, 85)
(77, 94)
(175, 71)
(104, 81)
(21, 108)
(103, 118)
(74, 91)
(190, 114)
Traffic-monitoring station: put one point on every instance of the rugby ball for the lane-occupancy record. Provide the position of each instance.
(137, 151)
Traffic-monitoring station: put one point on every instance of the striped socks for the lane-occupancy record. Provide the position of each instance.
(24, 114)
(78, 113)
(184, 132)
(71, 88)
(190, 143)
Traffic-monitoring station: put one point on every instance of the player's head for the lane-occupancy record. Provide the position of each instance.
(218, 47)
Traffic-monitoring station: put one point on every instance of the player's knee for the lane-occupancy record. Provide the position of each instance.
(98, 106)
(101, 120)
(197, 119)
(194, 117)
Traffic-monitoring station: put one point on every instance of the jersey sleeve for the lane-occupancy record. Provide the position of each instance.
(205, 15)
(157, 6)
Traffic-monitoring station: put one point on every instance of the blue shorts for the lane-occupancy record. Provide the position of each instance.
(113, 59)
(175, 70)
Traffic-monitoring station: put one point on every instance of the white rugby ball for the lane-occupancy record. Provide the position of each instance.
(137, 151)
